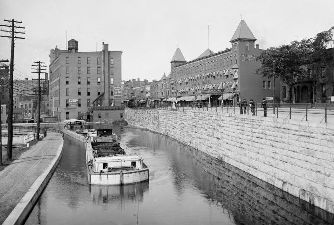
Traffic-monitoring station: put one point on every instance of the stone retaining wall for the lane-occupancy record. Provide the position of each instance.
(290, 155)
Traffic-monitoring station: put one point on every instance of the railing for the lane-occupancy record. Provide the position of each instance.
(320, 113)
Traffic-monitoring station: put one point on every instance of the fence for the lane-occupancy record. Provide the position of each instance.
(320, 113)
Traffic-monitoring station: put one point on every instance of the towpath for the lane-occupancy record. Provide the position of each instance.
(17, 178)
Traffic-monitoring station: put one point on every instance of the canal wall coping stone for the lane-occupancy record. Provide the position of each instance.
(27, 203)
(294, 156)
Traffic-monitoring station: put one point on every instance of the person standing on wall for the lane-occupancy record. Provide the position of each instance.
(244, 106)
(252, 106)
(264, 106)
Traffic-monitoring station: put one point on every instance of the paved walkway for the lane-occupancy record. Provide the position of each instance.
(17, 178)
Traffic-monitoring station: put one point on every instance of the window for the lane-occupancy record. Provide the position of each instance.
(88, 91)
(284, 92)
(88, 80)
(133, 164)
(79, 70)
(121, 115)
(79, 102)
(88, 60)
(98, 93)
(88, 102)
(99, 80)
(111, 61)
(67, 102)
(67, 115)
(88, 70)
(111, 80)
(98, 61)
(79, 80)
(111, 93)
(67, 91)
(99, 115)
(98, 70)
(269, 84)
(79, 60)
(264, 84)
(66, 60)
(67, 70)
(79, 91)
(67, 81)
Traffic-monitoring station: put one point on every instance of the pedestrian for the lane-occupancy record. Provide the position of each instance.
(264, 106)
(244, 106)
(252, 106)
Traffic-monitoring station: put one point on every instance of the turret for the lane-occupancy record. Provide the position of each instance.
(243, 37)
(178, 59)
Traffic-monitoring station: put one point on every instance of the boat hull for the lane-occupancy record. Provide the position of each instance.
(119, 177)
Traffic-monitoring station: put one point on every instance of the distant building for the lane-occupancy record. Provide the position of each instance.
(136, 90)
(83, 81)
(230, 73)
(26, 97)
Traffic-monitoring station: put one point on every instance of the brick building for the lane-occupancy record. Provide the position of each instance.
(136, 89)
(308, 92)
(81, 80)
(230, 73)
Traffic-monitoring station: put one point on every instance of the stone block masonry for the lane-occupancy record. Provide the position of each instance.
(293, 156)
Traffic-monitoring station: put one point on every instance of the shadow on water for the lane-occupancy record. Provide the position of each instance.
(249, 199)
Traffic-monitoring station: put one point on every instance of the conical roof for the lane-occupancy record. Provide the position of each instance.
(243, 32)
(178, 56)
(207, 52)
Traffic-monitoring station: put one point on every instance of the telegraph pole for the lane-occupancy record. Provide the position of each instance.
(39, 67)
(3, 78)
(12, 25)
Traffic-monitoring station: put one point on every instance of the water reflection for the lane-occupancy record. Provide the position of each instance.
(186, 187)
(122, 194)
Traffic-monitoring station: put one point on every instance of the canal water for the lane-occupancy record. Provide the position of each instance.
(185, 187)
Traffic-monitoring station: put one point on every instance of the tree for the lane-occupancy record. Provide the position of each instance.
(298, 61)
(284, 62)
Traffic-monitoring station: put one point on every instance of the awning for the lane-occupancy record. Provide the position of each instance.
(226, 96)
(202, 97)
(187, 98)
(173, 99)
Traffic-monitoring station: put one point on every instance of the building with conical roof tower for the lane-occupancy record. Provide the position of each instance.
(228, 75)
(178, 59)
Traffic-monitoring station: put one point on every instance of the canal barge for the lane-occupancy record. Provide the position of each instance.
(108, 164)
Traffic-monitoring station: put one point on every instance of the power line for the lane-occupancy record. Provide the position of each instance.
(12, 33)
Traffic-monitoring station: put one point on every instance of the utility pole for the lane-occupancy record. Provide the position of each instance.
(39, 67)
(3, 78)
(12, 24)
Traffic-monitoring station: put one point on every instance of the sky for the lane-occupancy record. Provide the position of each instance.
(149, 31)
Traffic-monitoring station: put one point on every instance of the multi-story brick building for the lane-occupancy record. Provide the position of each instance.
(79, 79)
(230, 73)
(25, 98)
(136, 89)
(308, 91)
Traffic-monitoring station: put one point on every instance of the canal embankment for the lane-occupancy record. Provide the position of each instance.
(294, 156)
(22, 182)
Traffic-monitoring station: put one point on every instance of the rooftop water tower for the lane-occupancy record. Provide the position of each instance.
(73, 45)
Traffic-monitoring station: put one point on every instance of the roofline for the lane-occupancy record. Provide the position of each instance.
(205, 57)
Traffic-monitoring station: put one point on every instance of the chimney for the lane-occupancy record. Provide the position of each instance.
(257, 46)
